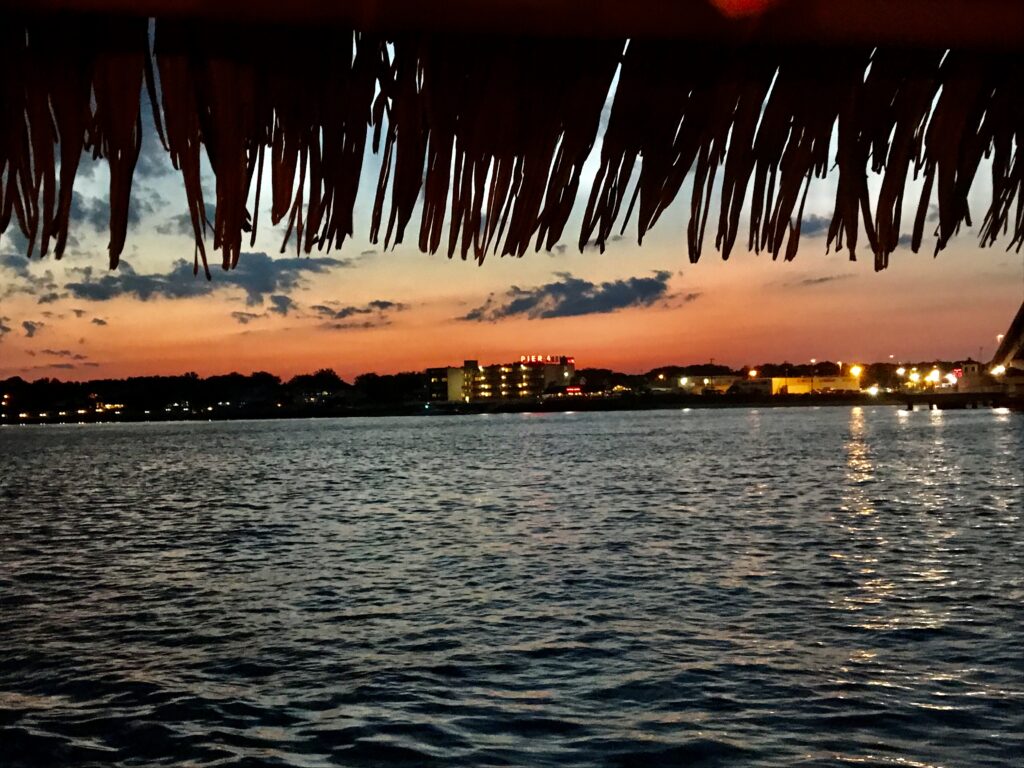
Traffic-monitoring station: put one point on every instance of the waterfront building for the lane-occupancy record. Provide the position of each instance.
(974, 378)
(528, 378)
(805, 385)
(446, 384)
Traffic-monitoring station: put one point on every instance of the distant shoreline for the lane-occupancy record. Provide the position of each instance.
(554, 405)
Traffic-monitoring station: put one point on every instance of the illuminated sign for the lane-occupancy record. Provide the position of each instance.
(958, 372)
(546, 360)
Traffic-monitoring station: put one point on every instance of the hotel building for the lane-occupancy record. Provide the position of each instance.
(526, 379)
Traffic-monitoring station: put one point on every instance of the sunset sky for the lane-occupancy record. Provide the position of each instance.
(362, 309)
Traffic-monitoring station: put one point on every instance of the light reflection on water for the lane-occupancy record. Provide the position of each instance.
(760, 587)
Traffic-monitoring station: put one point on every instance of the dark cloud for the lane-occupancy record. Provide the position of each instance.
(813, 224)
(79, 313)
(50, 298)
(62, 353)
(4, 327)
(182, 224)
(153, 161)
(94, 212)
(808, 282)
(97, 321)
(377, 306)
(371, 252)
(373, 314)
(281, 304)
(246, 317)
(19, 243)
(379, 322)
(570, 297)
(32, 327)
(257, 275)
(687, 298)
(19, 278)
(905, 241)
(594, 246)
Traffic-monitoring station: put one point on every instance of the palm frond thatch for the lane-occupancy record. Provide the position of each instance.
(488, 135)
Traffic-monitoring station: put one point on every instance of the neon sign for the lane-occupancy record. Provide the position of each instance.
(546, 360)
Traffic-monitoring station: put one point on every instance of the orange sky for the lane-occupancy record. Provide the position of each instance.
(747, 310)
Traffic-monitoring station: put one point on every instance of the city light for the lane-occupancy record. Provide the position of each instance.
(999, 370)
(915, 377)
(873, 390)
(901, 371)
(856, 371)
(753, 373)
(683, 381)
(933, 377)
(951, 379)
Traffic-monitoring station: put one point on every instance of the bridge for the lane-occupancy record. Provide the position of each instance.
(1010, 353)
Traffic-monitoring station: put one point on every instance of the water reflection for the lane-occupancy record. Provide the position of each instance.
(760, 587)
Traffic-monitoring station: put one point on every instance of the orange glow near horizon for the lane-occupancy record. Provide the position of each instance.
(364, 310)
(735, 320)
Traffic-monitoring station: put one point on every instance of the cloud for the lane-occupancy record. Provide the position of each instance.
(32, 327)
(4, 328)
(595, 246)
(257, 275)
(373, 314)
(358, 325)
(571, 297)
(153, 161)
(19, 278)
(377, 306)
(79, 313)
(182, 224)
(94, 212)
(246, 317)
(18, 240)
(905, 241)
(281, 304)
(62, 353)
(97, 321)
(812, 224)
(808, 282)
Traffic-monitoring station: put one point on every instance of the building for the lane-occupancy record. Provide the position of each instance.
(974, 378)
(446, 384)
(526, 379)
(805, 385)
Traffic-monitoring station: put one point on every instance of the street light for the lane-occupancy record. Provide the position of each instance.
(999, 370)
(753, 373)
(856, 371)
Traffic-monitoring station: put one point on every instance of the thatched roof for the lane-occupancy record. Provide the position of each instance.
(485, 116)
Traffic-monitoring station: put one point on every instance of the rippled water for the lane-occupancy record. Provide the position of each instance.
(771, 587)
